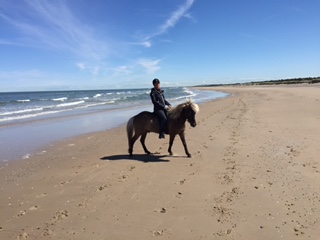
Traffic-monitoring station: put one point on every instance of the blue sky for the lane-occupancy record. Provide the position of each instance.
(103, 44)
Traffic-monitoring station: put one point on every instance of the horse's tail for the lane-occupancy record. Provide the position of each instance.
(130, 130)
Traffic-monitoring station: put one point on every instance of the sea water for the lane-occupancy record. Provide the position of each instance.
(31, 120)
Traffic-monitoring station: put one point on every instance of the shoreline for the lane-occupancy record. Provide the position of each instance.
(21, 140)
(254, 174)
(49, 132)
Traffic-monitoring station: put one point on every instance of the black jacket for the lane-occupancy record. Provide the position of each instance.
(158, 99)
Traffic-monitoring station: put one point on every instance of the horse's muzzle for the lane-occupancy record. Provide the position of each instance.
(193, 124)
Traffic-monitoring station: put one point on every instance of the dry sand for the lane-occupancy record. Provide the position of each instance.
(254, 174)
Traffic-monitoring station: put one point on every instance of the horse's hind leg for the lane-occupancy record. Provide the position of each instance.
(132, 141)
(142, 140)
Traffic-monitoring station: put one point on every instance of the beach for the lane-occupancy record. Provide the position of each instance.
(254, 174)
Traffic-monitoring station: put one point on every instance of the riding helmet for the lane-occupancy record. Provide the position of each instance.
(155, 81)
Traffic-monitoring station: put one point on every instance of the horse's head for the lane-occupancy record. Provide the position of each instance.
(185, 111)
(190, 110)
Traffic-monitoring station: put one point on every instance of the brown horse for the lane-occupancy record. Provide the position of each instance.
(146, 122)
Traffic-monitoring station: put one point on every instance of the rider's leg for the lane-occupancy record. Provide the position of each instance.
(162, 122)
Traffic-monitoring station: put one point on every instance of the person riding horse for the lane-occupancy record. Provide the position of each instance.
(160, 106)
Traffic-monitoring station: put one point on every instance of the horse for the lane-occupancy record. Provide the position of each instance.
(145, 122)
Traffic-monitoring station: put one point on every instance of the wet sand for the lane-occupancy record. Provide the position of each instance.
(254, 174)
(23, 140)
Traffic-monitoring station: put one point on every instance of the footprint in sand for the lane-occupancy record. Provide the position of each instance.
(60, 215)
(159, 233)
(221, 232)
(293, 152)
(41, 195)
(123, 178)
(162, 210)
(21, 213)
(102, 188)
(23, 236)
(182, 181)
(69, 181)
(227, 179)
(179, 195)
(131, 168)
(33, 208)
(46, 232)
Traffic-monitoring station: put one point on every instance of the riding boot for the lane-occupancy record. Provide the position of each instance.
(161, 136)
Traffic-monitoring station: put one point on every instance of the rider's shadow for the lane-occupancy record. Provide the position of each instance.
(137, 157)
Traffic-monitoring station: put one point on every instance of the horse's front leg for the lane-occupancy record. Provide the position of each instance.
(142, 140)
(172, 136)
(183, 140)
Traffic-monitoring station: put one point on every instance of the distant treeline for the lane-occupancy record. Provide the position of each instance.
(309, 80)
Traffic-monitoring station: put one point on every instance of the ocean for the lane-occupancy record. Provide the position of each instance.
(31, 120)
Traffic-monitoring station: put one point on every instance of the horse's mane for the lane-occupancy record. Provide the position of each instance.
(175, 112)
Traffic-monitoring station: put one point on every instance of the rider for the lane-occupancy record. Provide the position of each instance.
(160, 105)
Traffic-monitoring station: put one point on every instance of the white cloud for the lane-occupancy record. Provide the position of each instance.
(54, 25)
(174, 18)
(81, 66)
(93, 69)
(122, 70)
(146, 43)
(151, 66)
(50, 24)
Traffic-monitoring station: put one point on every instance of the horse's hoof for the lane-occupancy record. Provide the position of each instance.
(189, 155)
(148, 153)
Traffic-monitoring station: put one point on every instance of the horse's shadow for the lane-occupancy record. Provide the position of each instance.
(137, 157)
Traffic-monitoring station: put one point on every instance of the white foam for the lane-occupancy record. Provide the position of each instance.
(188, 91)
(192, 95)
(26, 156)
(24, 100)
(26, 116)
(97, 95)
(21, 111)
(98, 104)
(94, 104)
(69, 104)
(60, 99)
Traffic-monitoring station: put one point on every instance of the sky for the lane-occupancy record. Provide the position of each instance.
(112, 44)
